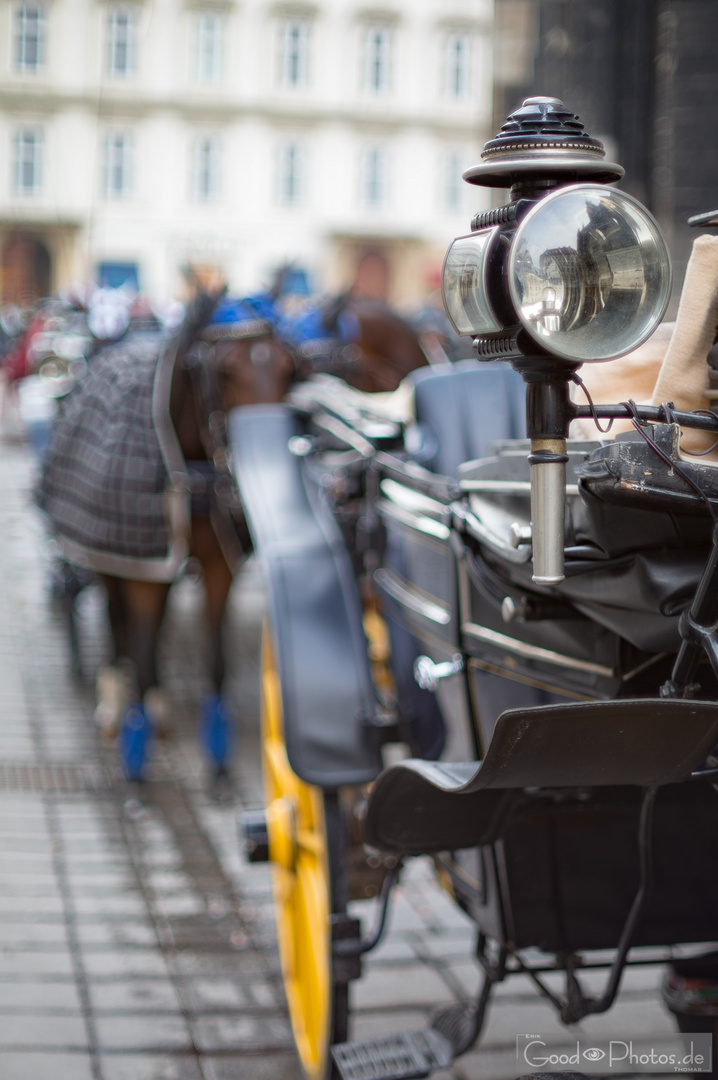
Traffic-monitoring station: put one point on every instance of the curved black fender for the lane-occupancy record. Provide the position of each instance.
(313, 604)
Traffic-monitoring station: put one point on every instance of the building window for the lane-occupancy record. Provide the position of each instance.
(290, 174)
(27, 165)
(30, 37)
(457, 64)
(294, 52)
(210, 36)
(373, 178)
(451, 183)
(377, 60)
(118, 165)
(205, 169)
(121, 42)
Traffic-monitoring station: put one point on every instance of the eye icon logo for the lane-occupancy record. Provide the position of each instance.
(594, 1054)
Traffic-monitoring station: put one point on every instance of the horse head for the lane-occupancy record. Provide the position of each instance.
(251, 366)
(362, 341)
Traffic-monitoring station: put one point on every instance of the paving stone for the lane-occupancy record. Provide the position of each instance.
(445, 945)
(152, 1032)
(167, 881)
(32, 907)
(124, 963)
(14, 885)
(32, 1030)
(250, 963)
(38, 997)
(116, 933)
(372, 1024)
(178, 905)
(33, 1065)
(392, 950)
(27, 934)
(149, 1067)
(32, 963)
(134, 995)
(30, 865)
(222, 994)
(101, 883)
(121, 905)
(251, 1067)
(241, 1031)
(400, 985)
(25, 845)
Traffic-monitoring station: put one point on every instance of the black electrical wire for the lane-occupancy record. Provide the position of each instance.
(576, 378)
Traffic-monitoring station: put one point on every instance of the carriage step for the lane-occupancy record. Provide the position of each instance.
(408, 1056)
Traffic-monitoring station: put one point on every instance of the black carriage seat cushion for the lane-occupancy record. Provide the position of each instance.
(464, 408)
(418, 807)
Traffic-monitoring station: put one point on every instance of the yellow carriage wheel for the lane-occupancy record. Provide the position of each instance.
(306, 850)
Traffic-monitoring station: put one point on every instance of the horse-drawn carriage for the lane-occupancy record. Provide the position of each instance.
(534, 618)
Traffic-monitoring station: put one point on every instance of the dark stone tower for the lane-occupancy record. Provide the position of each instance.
(643, 77)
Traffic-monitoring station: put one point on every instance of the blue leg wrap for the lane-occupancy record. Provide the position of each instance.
(215, 730)
(133, 740)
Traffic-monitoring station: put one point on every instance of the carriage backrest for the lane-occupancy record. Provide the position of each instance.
(463, 409)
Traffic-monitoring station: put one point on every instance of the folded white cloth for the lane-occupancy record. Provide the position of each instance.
(672, 364)
(683, 377)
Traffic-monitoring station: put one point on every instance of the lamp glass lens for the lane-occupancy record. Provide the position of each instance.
(589, 273)
(463, 283)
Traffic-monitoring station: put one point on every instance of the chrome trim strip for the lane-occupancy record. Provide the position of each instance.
(532, 652)
(344, 433)
(401, 591)
(419, 522)
(507, 487)
(476, 527)
(409, 499)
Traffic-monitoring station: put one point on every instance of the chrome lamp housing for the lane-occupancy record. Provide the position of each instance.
(585, 272)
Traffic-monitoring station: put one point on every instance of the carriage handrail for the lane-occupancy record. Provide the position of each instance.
(651, 414)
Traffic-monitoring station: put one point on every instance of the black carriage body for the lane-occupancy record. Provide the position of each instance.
(560, 870)
(563, 873)
(563, 876)
(570, 870)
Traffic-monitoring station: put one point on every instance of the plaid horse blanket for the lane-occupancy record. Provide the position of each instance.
(114, 482)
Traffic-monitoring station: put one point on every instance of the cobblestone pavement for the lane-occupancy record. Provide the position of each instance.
(135, 942)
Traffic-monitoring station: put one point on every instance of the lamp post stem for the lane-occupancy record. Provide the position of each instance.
(549, 412)
(548, 509)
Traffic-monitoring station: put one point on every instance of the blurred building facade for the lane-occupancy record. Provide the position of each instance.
(141, 138)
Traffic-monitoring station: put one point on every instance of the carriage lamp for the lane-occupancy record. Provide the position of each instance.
(569, 271)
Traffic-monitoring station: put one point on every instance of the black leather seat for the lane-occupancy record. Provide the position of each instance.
(418, 807)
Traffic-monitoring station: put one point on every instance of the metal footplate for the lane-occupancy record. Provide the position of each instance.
(408, 1056)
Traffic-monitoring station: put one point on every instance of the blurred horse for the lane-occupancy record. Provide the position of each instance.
(137, 479)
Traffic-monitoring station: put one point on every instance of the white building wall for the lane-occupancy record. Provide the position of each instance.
(245, 232)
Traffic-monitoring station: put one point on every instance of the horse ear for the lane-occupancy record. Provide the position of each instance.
(331, 311)
(280, 279)
(197, 315)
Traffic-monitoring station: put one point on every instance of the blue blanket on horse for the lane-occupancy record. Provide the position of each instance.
(112, 483)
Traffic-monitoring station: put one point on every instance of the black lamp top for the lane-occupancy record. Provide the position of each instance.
(543, 140)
